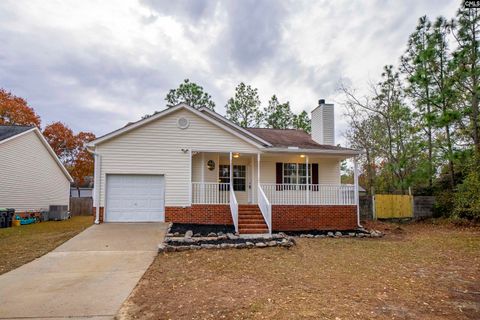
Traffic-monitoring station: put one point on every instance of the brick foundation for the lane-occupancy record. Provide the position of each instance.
(94, 211)
(284, 217)
(300, 218)
(200, 214)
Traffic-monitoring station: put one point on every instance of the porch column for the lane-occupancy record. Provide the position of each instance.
(308, 184)
(231, 172)
(252, 184)
(202, 187)
(258, 168)
(355, 182)
(190, 174)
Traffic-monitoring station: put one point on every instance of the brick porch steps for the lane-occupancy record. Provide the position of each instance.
(250, 220)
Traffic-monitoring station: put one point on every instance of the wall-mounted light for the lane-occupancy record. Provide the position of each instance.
(184, 150)
(236, 155)
(302, 156)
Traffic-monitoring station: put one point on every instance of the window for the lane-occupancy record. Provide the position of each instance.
(239, 176)
(296, 173)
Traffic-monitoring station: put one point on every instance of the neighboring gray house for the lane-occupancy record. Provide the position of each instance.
(31, 176)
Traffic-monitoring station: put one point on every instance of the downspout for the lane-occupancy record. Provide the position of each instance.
(96, 184)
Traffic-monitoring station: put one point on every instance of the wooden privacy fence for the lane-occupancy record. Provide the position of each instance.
(81, 206)
(393, 206)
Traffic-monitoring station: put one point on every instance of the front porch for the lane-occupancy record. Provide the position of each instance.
(259, 193)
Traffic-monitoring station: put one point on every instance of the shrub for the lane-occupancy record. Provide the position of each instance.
(467, 198)
(444, 204)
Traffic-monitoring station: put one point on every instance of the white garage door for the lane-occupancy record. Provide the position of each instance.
(135, 198)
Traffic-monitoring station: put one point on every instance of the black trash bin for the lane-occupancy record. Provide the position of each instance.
(3, 218)
(10, 214)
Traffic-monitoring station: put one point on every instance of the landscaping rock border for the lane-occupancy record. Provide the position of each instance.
(175, 242)
(220, 240)
(360, 233)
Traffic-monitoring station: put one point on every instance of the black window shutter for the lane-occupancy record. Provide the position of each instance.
(315, 176)
(279, 174)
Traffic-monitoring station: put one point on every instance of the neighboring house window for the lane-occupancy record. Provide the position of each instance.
(296, 173)
(239, 176)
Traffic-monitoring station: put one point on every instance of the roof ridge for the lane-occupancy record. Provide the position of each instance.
(292, 129)
(16, 125)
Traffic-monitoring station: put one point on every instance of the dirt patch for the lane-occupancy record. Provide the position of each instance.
(432, 273)
(19, 245)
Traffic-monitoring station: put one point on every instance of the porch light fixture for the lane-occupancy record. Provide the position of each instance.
(302, 156)
(236, 155)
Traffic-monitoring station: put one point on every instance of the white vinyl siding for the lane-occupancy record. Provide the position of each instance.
(323, 124)
(328, 168)
(30, 178)
(208, 175)
(156, 148)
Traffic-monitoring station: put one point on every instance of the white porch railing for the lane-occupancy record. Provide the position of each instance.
(314, 194)
(210, 193)
(265, 208)
(234, 208)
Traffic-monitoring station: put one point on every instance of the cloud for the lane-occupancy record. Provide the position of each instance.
(252, 32)
(99, 64)
(191, 11)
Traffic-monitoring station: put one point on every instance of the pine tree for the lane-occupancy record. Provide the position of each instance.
(415, 67)
(443, 95)
(302, 121)
(278, 115)
(191, 94)
(466, 58)
(244, 108)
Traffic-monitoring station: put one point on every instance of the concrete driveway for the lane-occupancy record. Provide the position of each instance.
(88, 276)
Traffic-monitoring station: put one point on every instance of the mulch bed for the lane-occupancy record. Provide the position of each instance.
(201, 229)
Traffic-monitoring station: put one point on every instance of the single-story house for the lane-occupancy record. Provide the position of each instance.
(188, 165)
(31, 177)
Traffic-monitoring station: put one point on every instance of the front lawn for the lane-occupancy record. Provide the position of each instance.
(19, 245)
(417, 271)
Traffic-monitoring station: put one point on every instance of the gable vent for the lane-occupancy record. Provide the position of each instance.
(183, 123)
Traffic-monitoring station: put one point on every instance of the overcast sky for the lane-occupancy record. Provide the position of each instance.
(96, 65)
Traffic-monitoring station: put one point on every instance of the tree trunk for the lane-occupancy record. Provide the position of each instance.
(475, 111)
(450, 157)
(430, 145)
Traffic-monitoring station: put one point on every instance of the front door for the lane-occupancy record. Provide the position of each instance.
(241, 182)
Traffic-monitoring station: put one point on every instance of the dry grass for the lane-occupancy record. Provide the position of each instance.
(19, 245)
(418, 271)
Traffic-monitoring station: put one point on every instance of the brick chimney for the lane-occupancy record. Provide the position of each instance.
(323, 123)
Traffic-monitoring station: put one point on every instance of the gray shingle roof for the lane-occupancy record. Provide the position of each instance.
(284, 138)
(10, 131)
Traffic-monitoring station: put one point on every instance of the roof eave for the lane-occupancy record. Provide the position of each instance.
(316, 151)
